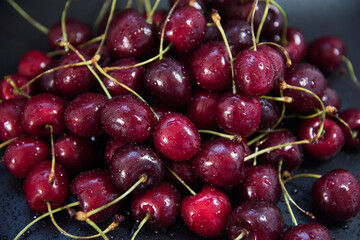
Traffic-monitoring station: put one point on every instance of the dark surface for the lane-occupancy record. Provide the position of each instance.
(314, 17)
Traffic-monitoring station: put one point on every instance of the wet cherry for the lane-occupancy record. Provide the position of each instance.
(32, 63)
(352, 117)
(308, 232)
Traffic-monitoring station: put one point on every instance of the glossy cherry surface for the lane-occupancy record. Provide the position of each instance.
(7, 90)
(33, 63)
(238, 34)
(308, 232)
(270, 114)
(10, 118)
(111, 147)
(296, 44)
(352, 117)
(331, 98)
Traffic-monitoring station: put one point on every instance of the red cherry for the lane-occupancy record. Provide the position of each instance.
(111, 147)
(296, 45)
(32, 63)
(7, 90)
(308, 232)
(352, 117)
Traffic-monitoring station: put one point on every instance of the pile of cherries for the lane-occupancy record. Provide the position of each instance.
(188, 97)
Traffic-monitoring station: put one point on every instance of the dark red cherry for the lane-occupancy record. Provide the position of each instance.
(238, 34)
(161, 203)
(94, 188)
(274, 23)
(7, 90)
(296, 45)
(185, 28)
(75, 153)
(261, 184)
(38, 191)
(337, 194)
(10, 118)
(306, 76)
(105, 53)
(43, 110)
(158, 16)
(331, 98)
(309, 231)
(253, 73)
(201, 109)
(326, 53)
(185, 171)
(111, 147)
(169, 82)
(212, 32)
(176, 137)
(23, 154)
(46, 83)
(206, 212)
(259, 220)
(82, 115)
(239, 10)
(352, 117)
(270, 114)
(291, 155)
(220, 162)
(77, 33)
(238, 114)
(131, 77)
(198, 4)
(130, 35)
(32, 63)
(131, 162)
(210, 67)
(127, 118)
(330, 142)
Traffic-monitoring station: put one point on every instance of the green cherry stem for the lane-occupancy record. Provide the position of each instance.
(353, 134)
(63, 23)
(261, 25)
(52, 171)
(151, 13)
(129, 4)
(252, 14)
(101, 14)
(241, 235)
(235, 138)
(96, 227)
(301, 175)
(282, 49)
(147, 6)
(142, 223)
(181, 181)
(351, 70)
(7, 142)
(285, 99)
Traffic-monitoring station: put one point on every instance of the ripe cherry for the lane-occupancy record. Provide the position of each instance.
(238, 34)
(331, 98)
(9, 86)
(10, 118)
(308, 232)
(274, 24)
(270, 114)
(239, 10)
(32, 63)
(352, 117)
(111, 147)
(296, 45)
(185, 171)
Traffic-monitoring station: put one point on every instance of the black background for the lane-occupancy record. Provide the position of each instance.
(314, 17)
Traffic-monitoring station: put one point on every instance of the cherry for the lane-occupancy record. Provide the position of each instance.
(131, 162)
(257, 220)
(212, 32)
(94, 188)
(46, 83)
(296, 45)
(328, 145)
(169, 82)
(270, 114)
(206, 213)
(111, 147)
(131, 77)
(10, 118)
(337, 194)
(40, 112)
(130, 35)
(158, 16)
(105, 53)
(352, 117)
(77, 33)
(274, 23)
(185, 171)
(308, 232)
(239, 10)
(161, 203)
(7, 89)
(23, 154)
(75, 154)
(331, 98)
(238, 34)
(220, 162)
(82, 115)
(127, 118)
(253, 73)
(210, 67)
(261, 184)
(185, 28)
(326, 53)
(38, 191)
(291, 155)
(32, 63)
(238, 114)
(176, 137)
(198, 4)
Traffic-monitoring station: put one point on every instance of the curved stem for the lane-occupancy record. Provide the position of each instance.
(352, 133)
(241, 235)
(235, 138)
(102, 234)
(302, 175)
(7, 142)
(52, 171)
(181, 181)
(266, 10)
(129, 4)
(282, 49)
(101, 14)
(252, 24)
(151, 13)
(142, 223)
(351, 70)
(283, 35)
(63, 23)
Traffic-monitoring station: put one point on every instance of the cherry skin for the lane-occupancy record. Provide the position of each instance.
(253, 73)
(82, 115)
(198, 4)
(220, 162)
(296, 45)
(168, 81)
(185, 171)
(23, 154)
(43, 110)
(259, 220)
(161, 203)
(261, 184)
(176, 137)
(105, 53)
(274, 23)
(32, 63)
(38, 191)
(337, 194)
(94, 188)
(77, 33)
(270, 114)
(210, 67)
(127, 118)
(331, 98)
(206, 212)
(158, 16)
(46, 83)
(238, 114)
(131, 162)
(238, 34)
(308, 232)
(10, 118)
(111, 147)
(238, 10)
(330, 142)
(352, 117)
(7, 90)
(130, 35)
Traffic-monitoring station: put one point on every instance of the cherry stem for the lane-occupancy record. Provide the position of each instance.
(63, 23)
(181, 181)
(282, 49)
(7, 142)
(96, 227)
(235, 138)
(216, 18)
(351, 70)
(44, 216)
(101, 14)
(285, 99)
(151, 13)
(284, 41)
(52, 171)
(32, 21)
(261, 25)
(252, 14)
(142, 223)
(352, 133)
(300, 175)
(147, 5)
(241, 235)
(139, 5)
(129, 4)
